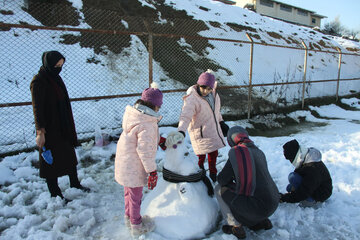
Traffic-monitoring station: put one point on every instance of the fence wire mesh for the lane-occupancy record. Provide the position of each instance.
(114, 57)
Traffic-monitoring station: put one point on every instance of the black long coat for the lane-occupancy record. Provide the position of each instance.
(55, 115)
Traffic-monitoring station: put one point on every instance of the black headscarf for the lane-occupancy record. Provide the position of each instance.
(49, 60)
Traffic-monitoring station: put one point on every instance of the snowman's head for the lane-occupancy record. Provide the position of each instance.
(174, 140)
(175, 159)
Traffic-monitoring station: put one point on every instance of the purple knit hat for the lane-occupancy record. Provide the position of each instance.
(153, 95)
(207, 79)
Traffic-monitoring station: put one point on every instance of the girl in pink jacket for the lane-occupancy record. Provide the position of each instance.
(135, 164)
(202, 118)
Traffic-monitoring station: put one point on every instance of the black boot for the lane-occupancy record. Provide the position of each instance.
(75, 183)
(265, 224)
(237, 231)
(213, 177)
(227, 229)
(53, 187)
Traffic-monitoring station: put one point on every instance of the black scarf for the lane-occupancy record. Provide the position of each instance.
(196, 177)
(49, 60)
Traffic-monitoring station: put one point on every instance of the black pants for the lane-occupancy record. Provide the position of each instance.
(53, 186)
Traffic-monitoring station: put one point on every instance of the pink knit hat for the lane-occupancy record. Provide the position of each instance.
(153, 95)
(207, 79)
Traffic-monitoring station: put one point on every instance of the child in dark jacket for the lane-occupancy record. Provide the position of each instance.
(311, 181)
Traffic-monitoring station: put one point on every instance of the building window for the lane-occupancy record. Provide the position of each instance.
(313, 20)
(285, 8)
(302, 12)
(267, 3)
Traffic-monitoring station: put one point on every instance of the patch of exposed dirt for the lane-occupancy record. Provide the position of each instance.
(323, 44)
(256, 36)
(240, 28)
(292, 40)
(353, 49)
(53, 13)
(6, 12)
(274, 35)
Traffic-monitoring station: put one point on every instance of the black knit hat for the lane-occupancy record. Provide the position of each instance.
(290, 149)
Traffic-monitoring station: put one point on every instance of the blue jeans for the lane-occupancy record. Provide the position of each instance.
(294, 183)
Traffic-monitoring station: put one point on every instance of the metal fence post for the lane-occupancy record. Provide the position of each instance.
(250, 73)
(338, 78)
(150, 50)
(304, 77)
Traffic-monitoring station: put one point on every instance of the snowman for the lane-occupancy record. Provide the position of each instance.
(182, 204)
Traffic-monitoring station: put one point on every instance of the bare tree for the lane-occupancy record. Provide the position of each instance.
(352, 33)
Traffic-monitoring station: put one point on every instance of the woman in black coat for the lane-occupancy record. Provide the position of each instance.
(55, 128)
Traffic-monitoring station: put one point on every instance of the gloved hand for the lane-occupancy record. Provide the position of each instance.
(162, 143)
(224, 128)
(152, 180)
(281, 198)
(174, 139)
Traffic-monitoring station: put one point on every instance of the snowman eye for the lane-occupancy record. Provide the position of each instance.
(179, 142)
(183, 190)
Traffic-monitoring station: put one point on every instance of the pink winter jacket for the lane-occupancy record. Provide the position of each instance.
(201, 122)
(136, 148)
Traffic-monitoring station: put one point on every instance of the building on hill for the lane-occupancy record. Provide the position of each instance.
(281, 11)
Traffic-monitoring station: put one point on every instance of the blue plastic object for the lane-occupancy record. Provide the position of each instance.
(46, 154)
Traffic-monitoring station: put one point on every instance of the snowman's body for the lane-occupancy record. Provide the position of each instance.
(181, 210)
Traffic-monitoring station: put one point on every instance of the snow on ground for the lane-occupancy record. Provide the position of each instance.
(28, 212)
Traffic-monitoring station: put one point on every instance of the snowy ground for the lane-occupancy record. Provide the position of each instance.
(28, 212)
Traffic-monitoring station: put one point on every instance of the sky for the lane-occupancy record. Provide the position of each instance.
(347, 10)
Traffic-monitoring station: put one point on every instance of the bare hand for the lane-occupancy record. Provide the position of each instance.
(40, 140)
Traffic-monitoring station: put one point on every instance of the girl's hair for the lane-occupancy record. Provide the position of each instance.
(148, 104)
(198, 89)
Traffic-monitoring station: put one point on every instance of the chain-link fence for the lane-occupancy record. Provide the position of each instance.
(112, 58)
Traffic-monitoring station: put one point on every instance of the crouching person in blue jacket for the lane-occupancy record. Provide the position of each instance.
(311, 181)
(246, 193)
